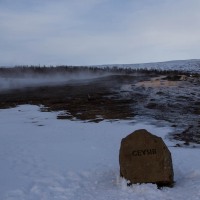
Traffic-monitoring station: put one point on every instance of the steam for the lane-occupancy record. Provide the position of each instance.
(29, 80)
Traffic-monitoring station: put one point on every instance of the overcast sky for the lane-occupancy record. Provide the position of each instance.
(88, 32)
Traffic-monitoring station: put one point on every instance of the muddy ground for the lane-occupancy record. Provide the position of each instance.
(171, 98)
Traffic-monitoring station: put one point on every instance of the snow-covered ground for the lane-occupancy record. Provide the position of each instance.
(42, 158)
(192, 66)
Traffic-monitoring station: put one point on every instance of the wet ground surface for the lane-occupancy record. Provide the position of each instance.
(175, 99)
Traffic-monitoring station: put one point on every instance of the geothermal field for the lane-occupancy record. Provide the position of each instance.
(61, 129)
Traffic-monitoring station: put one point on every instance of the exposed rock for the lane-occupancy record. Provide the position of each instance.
(144, 158)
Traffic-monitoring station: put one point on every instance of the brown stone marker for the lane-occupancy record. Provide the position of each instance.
(144, 158)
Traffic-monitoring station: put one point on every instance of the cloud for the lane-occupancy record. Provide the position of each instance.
(98, 31)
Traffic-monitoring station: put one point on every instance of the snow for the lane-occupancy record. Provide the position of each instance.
(192, 66)
(45, 158)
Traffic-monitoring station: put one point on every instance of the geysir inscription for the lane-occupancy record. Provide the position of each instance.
(145, 152)
(144, 158)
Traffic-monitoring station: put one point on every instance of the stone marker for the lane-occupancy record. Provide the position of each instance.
(144, 158)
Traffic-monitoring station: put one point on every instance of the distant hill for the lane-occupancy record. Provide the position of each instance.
(188, 66)
(180, 65)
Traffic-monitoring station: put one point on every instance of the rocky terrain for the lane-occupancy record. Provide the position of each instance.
(167, 97)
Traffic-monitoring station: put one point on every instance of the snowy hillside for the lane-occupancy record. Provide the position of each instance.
(192, 66)
(45, 158)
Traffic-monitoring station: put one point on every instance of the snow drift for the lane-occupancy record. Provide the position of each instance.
(45, 158)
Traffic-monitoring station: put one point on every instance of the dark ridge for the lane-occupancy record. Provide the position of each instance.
(69, 70)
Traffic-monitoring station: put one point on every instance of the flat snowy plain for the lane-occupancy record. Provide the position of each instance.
(42, 158)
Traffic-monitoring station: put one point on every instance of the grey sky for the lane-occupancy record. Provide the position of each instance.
(87, 32)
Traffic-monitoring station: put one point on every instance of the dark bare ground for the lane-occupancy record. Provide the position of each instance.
(118, 97)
